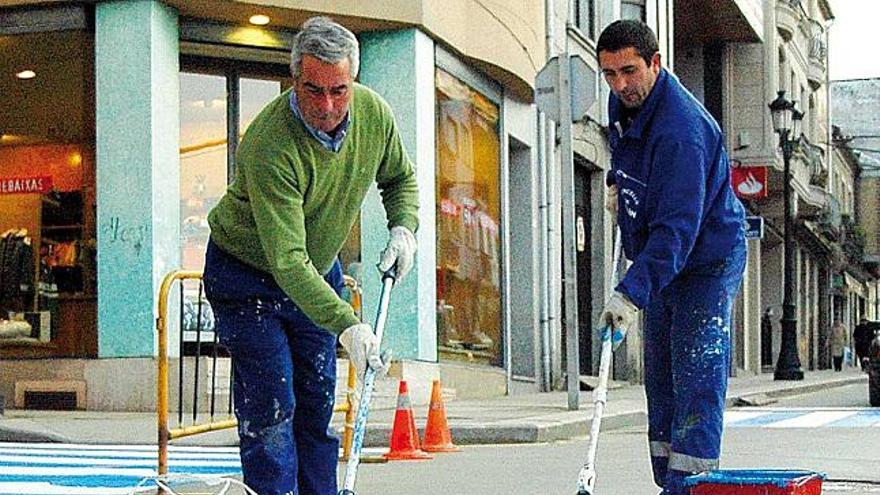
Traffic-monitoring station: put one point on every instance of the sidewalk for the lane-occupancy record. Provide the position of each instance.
(526, 418)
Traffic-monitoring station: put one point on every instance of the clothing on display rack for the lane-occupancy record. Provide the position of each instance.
(16, 270)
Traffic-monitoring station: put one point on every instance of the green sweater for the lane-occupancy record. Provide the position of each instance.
(293, 202)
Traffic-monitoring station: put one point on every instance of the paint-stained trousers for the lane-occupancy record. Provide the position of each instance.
(687, 359)
(285, 376)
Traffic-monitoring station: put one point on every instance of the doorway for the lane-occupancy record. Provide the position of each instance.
(583, 212)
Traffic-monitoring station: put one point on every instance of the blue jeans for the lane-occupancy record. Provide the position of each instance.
(285, 378)
(687, 360)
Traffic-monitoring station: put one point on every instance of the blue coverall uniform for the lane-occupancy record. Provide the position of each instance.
(285, 366)
(682, 227)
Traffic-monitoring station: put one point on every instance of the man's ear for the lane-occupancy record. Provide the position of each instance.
(655, 61)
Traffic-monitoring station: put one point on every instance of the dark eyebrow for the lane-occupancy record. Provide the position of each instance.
(620, 69)
(315, 87)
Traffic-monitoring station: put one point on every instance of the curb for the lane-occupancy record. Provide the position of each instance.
(562, 426)
(30, 435)
(558, 426)
(761, 398)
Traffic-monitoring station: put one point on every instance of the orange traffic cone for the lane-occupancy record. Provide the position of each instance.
(437, 436)
(404, 435)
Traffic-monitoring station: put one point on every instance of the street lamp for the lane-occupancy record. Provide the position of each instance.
(787, 123)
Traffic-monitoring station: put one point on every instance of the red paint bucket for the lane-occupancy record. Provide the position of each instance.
(756, 482)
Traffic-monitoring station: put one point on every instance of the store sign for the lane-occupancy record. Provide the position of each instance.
(26, 185)
(749, 182)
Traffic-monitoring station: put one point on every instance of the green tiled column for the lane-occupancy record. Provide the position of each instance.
(138, 171)
(400, 66)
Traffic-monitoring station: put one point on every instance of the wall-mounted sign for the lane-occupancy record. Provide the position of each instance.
(754, 227)
(26, 185)
(749, 182)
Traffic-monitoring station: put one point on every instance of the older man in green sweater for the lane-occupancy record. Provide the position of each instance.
(271, 271)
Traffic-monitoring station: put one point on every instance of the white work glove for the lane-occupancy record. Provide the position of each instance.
(611, 199)
(363, 349)
(620, 314)
(401, 250)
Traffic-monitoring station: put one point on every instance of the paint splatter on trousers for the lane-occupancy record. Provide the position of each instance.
(687, 361)
(285, 377)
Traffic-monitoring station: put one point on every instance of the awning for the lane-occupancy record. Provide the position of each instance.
(699, 21)
(853, 284)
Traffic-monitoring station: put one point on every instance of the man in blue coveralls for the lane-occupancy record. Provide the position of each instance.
(682, 228)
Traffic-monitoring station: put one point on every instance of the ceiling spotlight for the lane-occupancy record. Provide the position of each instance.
(26, 74)
(259, 20)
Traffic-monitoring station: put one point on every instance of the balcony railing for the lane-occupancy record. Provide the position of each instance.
(788, 16)
(829, 218)
(818, 50)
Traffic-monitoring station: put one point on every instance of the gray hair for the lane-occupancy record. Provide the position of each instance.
(327, 41)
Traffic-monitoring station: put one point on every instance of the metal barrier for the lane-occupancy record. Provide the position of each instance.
(193, 316)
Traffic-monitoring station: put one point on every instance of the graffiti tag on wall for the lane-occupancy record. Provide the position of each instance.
(128, 236)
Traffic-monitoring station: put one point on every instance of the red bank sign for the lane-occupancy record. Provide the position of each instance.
(749, 182)
(26, 185)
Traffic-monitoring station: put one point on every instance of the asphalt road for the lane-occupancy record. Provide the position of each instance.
(847, 452)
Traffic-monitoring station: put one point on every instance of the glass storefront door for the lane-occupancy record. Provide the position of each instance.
(215, 96)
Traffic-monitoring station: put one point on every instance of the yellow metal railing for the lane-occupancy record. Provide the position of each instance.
(166, 434)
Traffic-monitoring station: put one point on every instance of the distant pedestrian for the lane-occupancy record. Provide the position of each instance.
(838, 343)
(682, 228)
(862, 340)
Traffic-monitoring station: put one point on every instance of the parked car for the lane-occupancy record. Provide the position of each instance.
(873, 369)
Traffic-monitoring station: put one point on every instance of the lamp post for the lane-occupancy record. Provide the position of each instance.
(786, 123)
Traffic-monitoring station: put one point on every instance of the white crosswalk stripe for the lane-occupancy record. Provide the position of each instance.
(74, 469)
(78, 469)
(855, 417)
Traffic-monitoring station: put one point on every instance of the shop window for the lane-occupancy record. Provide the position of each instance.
(47, 195)
(468, 218)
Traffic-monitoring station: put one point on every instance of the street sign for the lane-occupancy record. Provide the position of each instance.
(754, 227)
(584, 88)
(546, 83)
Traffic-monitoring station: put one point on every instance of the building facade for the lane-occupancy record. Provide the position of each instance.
(854, 112)
(121, 136)
(793, 57)
(125, 117)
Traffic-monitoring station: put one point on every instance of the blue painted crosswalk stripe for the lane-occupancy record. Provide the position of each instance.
(802, 418)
